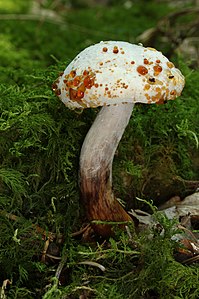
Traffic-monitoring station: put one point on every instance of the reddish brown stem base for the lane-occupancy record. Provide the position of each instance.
(101, 205)
(96, 168)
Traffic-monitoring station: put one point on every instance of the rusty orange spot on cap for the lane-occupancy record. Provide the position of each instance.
(72, 74)
(80, 94)
(72, 94)
(157, 69)
(76, 81)
(170, 64)
(82, 87)
(85, 72)
(146, 61)
(142, 70)
(158, 89)
(68, 83)
(147, 87)
(115, 50)
(58, 92)
(160, 101)
(155, 99)
(173, 92)
(148, 97)
(88, 82)
(105, 49)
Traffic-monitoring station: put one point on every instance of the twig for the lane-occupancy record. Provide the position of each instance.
(33, 17)
(54, 257)
(189, 232)
(60, 267)
(6, 282)
(165, 27)
(129, 233)
(46, 245)
(172, 16)
(113, 279)
(191, 260)
(81, 231)
(51, 236)
(94, 264)
(9, 216)
(110, 250)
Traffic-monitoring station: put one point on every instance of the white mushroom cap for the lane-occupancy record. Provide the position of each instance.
(115, 72)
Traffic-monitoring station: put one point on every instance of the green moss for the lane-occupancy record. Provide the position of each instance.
(10, 6)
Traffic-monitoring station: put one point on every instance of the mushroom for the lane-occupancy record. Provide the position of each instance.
(116, 75)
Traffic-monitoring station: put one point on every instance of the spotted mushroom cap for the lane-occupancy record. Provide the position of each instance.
(115, 72)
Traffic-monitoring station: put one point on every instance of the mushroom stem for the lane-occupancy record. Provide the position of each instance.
(96, 160)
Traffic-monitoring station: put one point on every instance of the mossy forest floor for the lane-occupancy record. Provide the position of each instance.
(41, 253)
